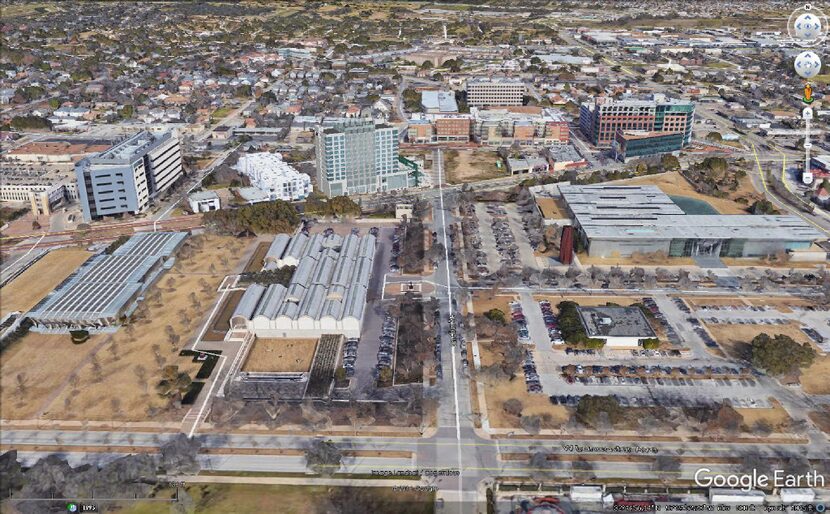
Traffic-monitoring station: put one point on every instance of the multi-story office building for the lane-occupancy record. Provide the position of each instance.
(452, 128)
(43, 186)
(601, 119)
(127, 177)
(526, 126)
(630, 145)
(494, 92)
(356, 156)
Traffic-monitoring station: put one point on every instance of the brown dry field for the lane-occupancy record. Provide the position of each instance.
(23, 293)
(551, 208)
(55, 356)
(119, 394)
(781, 304)
(483, 301)
(735, 339)
(496, 394)
(816, 378)
(776, 416)
(280, 355)
(673, 183)
(472, 165)
(643, 260)
(702, 301)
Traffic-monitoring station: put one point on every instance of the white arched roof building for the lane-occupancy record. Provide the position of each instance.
(326, 294)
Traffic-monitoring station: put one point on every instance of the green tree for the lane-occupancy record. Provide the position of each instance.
(54, 103)
(762, 207)
(174, 384)
(592, 410)
(780, 354)
(496, 315)
(323, 457)
(651, 343)
(715, 137)
(669, 162)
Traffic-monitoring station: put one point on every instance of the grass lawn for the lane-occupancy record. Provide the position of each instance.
(42, 277)
(116, 393)
(280, 355)
(221, 113)
(285, 499)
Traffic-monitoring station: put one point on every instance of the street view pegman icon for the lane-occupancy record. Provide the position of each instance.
(807, 64)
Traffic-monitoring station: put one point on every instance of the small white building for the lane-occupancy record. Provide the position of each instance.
(269, 173)
(721, 496)
(204, 201)
(619, 327)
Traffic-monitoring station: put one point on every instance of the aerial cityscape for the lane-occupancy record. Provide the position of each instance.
(414, 257)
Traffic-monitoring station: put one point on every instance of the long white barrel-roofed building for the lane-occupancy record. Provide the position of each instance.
(326, 294)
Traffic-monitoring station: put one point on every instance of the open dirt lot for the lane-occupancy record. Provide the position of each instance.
(673, 183)
(118, 382)
(497, 393)
(23, 293)
(551, 208)
(472, 165)
(280, 355)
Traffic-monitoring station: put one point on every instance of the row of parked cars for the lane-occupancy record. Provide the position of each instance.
(396, 250)
(704, 335)
(531, 375)
(681, 304)
(439, 371)
(695, 372)
(519, 321)
(671, 334)
(746, 321)
(577, 351)
(741, 307)
(505, 240)
(551, 323)
(350, 355)
(655, 353)
(389, 333)
(814, 335)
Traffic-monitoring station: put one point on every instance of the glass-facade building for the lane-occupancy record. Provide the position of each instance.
(633, 145)
(356, 156)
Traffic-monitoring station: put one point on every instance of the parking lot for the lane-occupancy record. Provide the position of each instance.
(689, 377)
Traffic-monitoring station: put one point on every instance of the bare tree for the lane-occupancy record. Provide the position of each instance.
(141, 374)
(21, 386)
(667, 467)
(323, 457)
